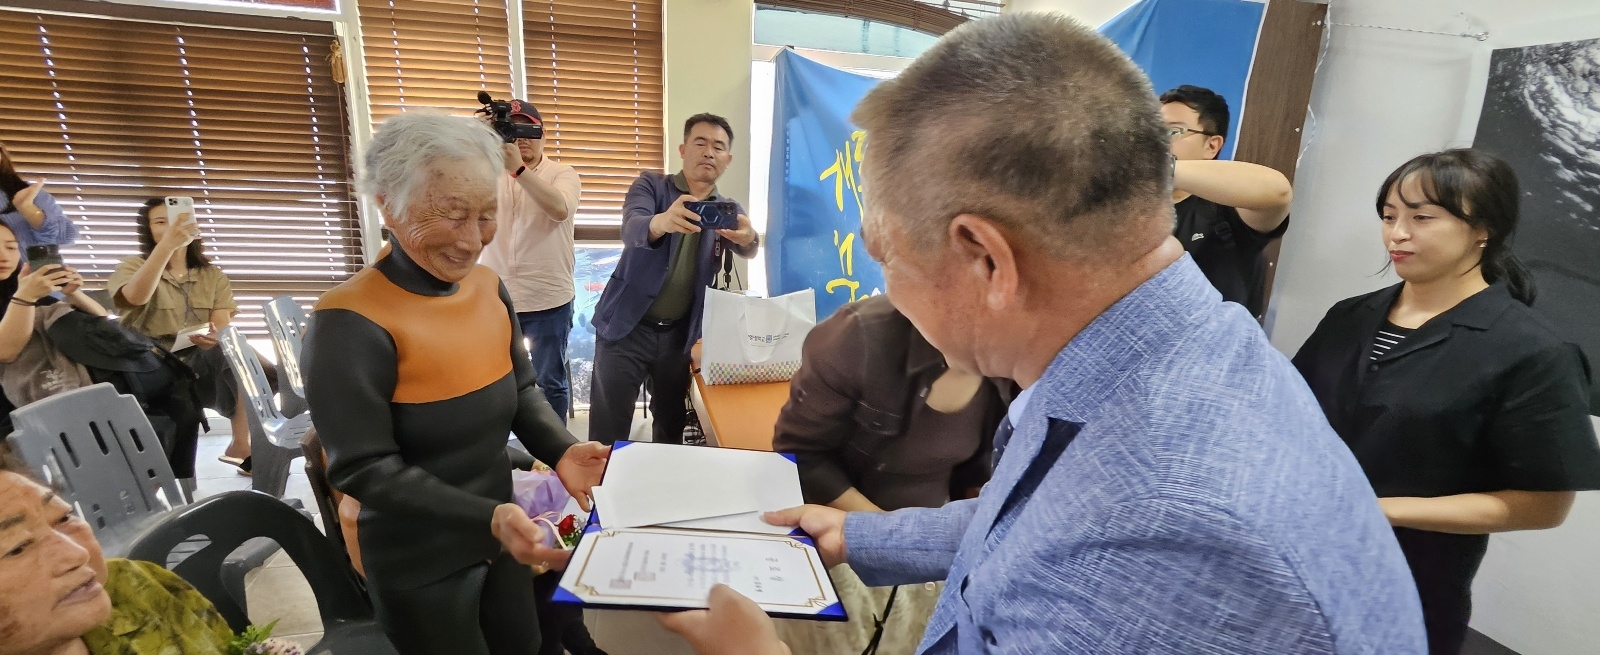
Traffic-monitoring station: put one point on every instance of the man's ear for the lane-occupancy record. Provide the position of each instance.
(1214, 146)
(984, 250)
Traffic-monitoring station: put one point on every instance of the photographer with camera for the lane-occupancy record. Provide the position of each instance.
(533, 252)
(648, 316)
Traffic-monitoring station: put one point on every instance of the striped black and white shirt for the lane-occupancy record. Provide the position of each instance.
(1389, 336)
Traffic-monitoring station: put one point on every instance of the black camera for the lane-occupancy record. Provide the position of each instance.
(499, 114)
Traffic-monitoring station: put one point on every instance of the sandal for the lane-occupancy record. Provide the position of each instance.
(240, 463)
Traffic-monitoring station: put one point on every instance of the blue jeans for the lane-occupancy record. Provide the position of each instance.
(547, 332)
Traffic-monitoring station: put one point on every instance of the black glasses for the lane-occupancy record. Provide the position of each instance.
(1175, 132)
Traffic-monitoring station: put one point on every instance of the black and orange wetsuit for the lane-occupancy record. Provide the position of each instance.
(414, 384)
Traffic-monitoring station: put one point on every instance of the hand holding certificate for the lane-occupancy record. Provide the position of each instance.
(680, 520)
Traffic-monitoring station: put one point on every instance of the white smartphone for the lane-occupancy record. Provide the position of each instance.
(180, 206)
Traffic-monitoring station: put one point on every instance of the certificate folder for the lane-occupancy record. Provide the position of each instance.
(671, 521)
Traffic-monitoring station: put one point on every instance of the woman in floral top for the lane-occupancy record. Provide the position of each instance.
(60, 596)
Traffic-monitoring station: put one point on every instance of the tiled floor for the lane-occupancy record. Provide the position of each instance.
(278, 592)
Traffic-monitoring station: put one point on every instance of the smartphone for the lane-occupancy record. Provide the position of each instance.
(44, 255)
(716, 215)
(179, 206)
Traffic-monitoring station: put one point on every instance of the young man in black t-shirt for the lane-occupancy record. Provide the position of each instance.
(1228, 211)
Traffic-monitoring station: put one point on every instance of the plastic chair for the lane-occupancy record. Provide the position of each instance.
(98, 448)
(274, 438)
(286, 322)
(231, 519)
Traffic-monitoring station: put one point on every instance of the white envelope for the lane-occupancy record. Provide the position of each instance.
(695, 487)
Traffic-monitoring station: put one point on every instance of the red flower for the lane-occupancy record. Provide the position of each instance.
(568, 525)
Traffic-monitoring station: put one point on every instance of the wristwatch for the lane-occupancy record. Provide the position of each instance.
(518, 174)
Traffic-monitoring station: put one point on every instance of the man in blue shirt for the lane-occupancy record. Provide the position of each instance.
(648, 317)
(1167, 483)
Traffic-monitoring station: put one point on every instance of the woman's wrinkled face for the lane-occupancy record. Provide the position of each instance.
(51, 570)
(449, 219)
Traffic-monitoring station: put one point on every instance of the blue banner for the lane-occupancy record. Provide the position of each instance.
(814, 207)
(1208, 43)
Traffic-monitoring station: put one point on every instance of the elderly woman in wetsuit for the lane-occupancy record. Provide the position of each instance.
(415, 373)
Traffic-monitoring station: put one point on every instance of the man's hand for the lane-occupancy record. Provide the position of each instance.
(580, 469)
(744, 236)
(677, 219)
(734, 625)
(513, 157)
(524, 540)
(23, 201)
(824, 524)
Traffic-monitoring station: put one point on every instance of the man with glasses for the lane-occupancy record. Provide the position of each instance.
(1228, 211)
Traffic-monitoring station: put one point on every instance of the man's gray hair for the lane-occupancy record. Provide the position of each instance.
(403, 153)
(1031, 120)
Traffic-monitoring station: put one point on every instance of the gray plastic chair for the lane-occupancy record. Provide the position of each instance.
(274, 438)
(232, 519)
(98, 448)
(286, 322)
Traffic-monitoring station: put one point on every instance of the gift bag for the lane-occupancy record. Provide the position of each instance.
(747, 339)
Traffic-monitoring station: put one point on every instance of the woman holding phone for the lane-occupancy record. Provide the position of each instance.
(31, 367)
(175, 288)
(1466, 408)
(31, 213)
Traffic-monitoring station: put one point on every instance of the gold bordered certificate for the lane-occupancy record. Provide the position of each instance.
(668, 569)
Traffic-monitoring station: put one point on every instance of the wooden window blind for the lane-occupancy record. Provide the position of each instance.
(594, 71)
(111, 111)
(434, 54)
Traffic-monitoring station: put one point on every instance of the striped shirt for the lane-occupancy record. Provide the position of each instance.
(1389, 336)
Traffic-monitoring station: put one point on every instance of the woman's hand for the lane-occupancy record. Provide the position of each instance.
(181, 232)
(74, 282)
(524, 540)
(205, 341)
(35, 285)
(581, 468)
(23, 201)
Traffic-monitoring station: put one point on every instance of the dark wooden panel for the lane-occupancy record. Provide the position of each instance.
(1280, 93)
(1280, 84)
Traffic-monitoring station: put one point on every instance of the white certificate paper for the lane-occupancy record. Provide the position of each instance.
(654, 568)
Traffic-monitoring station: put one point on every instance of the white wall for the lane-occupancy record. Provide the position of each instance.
(1380, 98)
(707, 55)
(1091, 12)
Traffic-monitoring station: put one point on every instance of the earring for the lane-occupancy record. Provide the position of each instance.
(1483, 244)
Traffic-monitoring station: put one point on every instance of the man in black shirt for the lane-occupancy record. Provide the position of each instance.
(1228, 211)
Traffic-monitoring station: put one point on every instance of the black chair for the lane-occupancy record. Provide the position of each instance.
(229, 520)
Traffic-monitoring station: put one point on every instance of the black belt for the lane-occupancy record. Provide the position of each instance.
(660, 324)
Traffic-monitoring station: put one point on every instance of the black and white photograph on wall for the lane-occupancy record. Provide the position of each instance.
(1541, 113)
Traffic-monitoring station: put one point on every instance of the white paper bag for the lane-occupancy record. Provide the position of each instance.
(747, 340)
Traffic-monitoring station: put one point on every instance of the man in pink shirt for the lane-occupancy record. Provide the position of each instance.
(533, 252)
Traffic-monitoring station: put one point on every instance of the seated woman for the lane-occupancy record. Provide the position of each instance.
(31, 367)
(48, 347)
(174, 287)
(878, 422)
(58, 593)
(30, 211)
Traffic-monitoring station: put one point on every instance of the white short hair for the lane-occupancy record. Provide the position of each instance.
(407, 145)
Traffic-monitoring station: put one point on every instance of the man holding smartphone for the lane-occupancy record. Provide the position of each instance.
(533, 254)
(648, 316)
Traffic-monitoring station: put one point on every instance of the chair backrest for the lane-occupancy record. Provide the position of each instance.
(230, 519)
(253, 385)
(286, 322)
(98, 447)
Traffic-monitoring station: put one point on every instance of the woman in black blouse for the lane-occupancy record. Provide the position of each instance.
(1466, 408)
